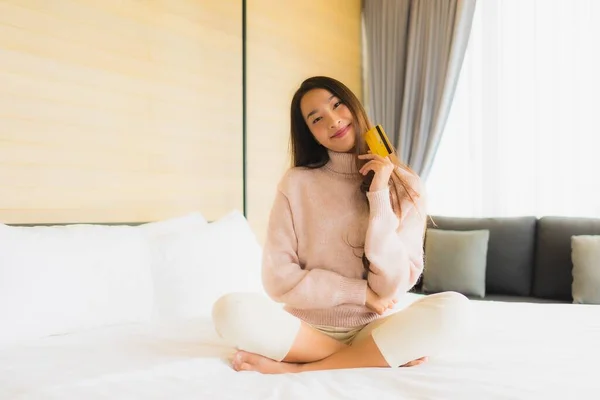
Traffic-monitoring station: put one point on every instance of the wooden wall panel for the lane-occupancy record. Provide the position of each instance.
(288, 41)
(119, 110)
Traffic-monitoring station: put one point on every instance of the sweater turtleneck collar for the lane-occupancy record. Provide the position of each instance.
(342, 163)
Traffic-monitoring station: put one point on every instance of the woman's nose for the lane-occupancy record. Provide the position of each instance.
(334, 122)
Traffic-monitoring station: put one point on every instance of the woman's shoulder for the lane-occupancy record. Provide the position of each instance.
(295, 177)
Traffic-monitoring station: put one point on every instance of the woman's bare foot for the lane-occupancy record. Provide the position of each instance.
(244, 361)
(416, 362)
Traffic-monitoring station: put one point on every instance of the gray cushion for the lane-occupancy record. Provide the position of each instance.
(553, 271)
(455, 261)
(518, 299)
(585, 255)
(510, 299)
(510, 250)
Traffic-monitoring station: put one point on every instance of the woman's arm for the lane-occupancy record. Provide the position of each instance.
(393, 247)
(286, 282)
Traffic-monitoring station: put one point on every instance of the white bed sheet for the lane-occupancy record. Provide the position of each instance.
(516, 351)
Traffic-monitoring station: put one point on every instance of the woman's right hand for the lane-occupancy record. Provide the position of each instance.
(379, 304)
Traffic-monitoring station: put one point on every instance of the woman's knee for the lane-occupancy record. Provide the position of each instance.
(425, 328)
(453, 310)
(254, 323)
(450, 299)
(232, 314)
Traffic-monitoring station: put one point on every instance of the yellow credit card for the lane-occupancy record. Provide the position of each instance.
(378, 141)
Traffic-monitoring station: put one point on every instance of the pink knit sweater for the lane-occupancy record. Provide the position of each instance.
(319, 225)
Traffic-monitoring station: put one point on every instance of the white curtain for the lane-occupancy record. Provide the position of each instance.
(523, 134)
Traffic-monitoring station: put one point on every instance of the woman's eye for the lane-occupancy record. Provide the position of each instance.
(336, 105)
(316, 120)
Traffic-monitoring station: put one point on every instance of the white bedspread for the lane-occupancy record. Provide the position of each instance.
(516, 351)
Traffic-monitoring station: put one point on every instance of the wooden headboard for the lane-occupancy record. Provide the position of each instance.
(116, 111)
(132, 111)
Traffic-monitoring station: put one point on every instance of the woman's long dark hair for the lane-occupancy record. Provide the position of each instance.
(306, 151)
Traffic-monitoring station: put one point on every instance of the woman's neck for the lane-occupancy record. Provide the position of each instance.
(342, 163)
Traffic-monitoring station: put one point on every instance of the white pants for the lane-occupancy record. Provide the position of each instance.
(253, 323)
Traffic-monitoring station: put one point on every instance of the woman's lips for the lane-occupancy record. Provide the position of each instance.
(339, 134)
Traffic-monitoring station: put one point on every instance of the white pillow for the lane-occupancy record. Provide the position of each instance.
(193, 220)
(59, 279)
(193, 268)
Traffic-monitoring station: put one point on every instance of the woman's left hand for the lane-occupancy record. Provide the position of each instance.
(382, 167)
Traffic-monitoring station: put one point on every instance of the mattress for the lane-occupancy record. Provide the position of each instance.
(514, 351)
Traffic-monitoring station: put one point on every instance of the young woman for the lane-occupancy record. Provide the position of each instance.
(345, 240)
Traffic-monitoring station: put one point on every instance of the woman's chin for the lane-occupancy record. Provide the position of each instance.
(342, 146)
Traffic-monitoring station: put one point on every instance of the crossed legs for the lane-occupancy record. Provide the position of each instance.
(272, 341)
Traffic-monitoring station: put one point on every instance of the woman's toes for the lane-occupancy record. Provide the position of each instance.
(237, 361)
(245, 357)
(246, 367)
(244, 361)
(254, 362)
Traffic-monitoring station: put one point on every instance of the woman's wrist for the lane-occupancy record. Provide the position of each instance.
(378, 184)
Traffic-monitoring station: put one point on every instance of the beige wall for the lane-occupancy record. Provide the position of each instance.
(127, 110)
(119, 111)
(288, 41)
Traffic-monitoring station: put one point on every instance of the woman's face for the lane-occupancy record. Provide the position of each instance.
(329, 120)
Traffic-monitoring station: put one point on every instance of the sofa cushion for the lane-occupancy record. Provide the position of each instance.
(553, 269)
(517, 299)
(456, 261)
(510, 250)
(586, 269)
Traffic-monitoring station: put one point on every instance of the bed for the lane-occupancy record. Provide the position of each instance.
(515, 351)
(123, 312)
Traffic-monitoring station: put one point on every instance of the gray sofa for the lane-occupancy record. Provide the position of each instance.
(528, 258)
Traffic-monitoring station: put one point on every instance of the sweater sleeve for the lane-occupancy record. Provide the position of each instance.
(393, 247)
(285, 281)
